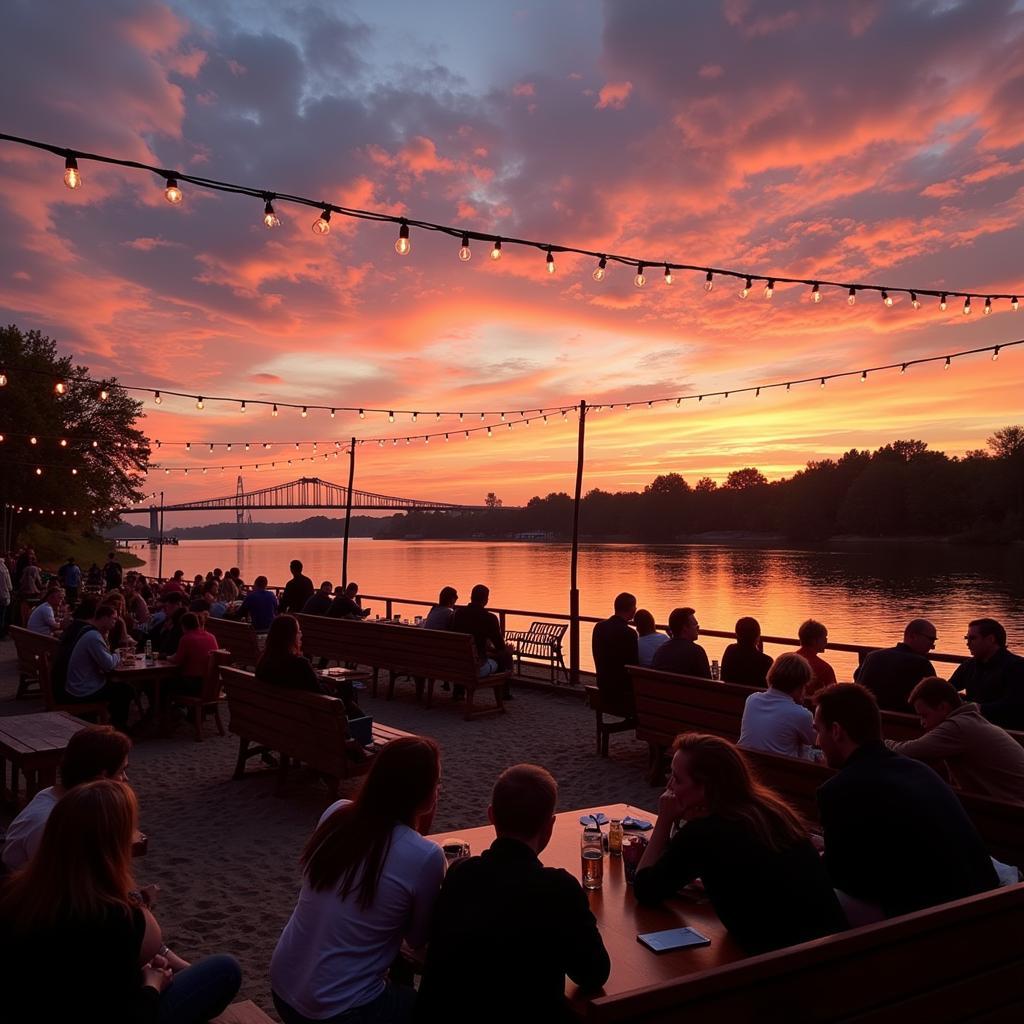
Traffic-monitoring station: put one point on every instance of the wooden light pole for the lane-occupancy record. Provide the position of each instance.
(574, 593)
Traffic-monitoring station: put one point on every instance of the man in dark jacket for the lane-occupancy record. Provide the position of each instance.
(896, 837)
(320, 602)
(506, 929)
(615, 645)
(891, 674)
(483, 626)
(682, 654)
(993, 678)
(297, 591)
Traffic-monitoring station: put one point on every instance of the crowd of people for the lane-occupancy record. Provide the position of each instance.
(377, 895)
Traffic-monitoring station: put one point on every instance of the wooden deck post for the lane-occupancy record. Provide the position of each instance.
(574, 593)
(348, 512)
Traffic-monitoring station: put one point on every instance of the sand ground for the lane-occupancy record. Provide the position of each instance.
(225, 852)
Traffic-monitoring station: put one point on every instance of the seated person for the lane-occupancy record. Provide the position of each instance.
(347, 605)
(176, 584)
(77, 892)
(260, 605)
(648, 638)
(192, 655)
(749, 847)
(440, 615)
(90, 662)
(169, 632)
(813, 640)
(993, 678)
(503, 917)
(896, 837)
(369, 882)
(95, 752)
(892, 673)
(488, 640)
(979, 756)
(682, 654)
(120, 635)
(43, 619)
(775, 720)
(320, 602)
(615, 645)
(744, 662)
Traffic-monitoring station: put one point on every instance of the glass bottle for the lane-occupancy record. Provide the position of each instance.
(615, 837)
(592, 857)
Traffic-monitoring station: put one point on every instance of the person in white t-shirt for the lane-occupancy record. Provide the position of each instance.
(775, 720)
(370, 881)
(95, 752)
(649, 639)
(44, 616)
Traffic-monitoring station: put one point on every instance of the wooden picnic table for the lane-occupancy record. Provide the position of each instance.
(148, 677)
(33, 746)
(619, 916)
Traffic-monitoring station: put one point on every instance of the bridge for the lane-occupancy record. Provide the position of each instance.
(308, 492)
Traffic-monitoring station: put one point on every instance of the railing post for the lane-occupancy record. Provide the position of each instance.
(387, 608)
(501, 622)
(574, 593)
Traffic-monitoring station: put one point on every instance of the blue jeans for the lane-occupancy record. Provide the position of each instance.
(201, 991)
(393, 1006)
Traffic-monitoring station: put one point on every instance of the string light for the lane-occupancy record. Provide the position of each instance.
(747, 285)
(305, 413)
(886, 298)
(273, 412)
(60, 387)
(863, 376)
(172, 191)
(391, 417)
(362, 414)
(404, 245)
(967, 306)
(915, 301)
(72, 175)
(599, 270)
(709, 280)
(550, 262)
(3, 379)
(322, 225)
(995, 354)
(640, 280)
(496, 250)
(816, 293)
(668, 276)
(769, 288)
(242, 408)
(104, 394)
(1014, 304)
(946, 365)
(942, 302)
(465, 253)
(270, 219)
(156, 398)
(851, 299)
(987, 310)
(199, 402)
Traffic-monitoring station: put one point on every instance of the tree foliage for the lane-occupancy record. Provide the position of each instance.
(104, 445)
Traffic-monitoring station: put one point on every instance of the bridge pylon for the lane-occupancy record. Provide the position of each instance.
(240, 510)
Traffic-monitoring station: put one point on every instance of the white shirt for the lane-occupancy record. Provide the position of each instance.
(26, 831)
(775, 723)
(42, 620)
(333, 956)
(648, 645)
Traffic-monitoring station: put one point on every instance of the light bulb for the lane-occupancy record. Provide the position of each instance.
(942, 302)
(72, 175)
(640, 280)
(550, 262)
(362, 415)
(305, 412)
(104, 394)
(886, 298)
(495, 255)
(745, 290)
(967, 306)
(851, 299)
(465, 253)
(598, 274)
(915, 301)
(946, 365)
(709, 280)
(769, 288)
(415, 416)
(199, 402)
(156, 398)
(172, 192)
(60, 387)
(987, 310)
(3, 379)
(322, 225)
(822, 384)
(273, 412)
(863, 376)
(1014, 304)
(816, 293)
(188, 446)
(269, 217)
(39, 472)
(489, 434)
(33, 440)
(403, 246)
(391, 417)
(63, 442)
(903, 368)
(668, 274)
(995, 354)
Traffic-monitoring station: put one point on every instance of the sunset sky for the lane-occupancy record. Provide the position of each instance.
(875, 140)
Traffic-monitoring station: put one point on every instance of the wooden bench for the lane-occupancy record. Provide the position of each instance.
(310, 728)
(27, 646)
(592, 695)
(237, 637)
(432, 655)
(97, 709)
(958, 962)
(541, 642)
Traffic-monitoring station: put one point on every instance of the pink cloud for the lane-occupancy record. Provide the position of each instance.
(524, 89)
(613, 95)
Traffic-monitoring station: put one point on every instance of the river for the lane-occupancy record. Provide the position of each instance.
(864, 594)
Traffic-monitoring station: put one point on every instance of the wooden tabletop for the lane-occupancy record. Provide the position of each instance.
(47, 732)
(618, 914)
(139, 673)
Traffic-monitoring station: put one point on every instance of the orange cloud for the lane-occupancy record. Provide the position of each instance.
(613, 95)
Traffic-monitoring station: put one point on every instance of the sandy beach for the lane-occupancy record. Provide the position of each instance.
(225, 852)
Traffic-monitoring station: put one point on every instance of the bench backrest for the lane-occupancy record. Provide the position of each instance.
(951, 963)
(311, 727)
(27, 645)
(237, 637)
(432, 653)
(546, 632)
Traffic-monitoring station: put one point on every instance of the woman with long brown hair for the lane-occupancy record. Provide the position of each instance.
(370, 880)
(74, 942)
(747, 845)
